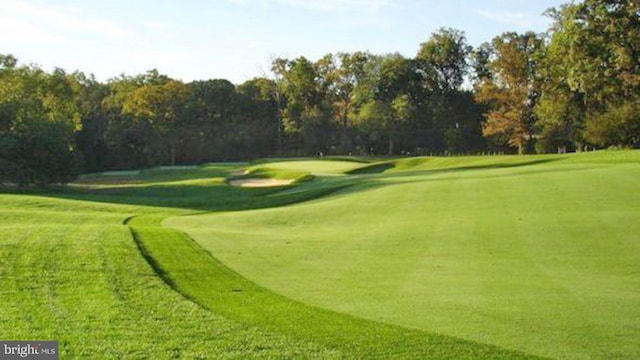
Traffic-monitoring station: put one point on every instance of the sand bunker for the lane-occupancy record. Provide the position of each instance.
(255, 182)
(239, 172)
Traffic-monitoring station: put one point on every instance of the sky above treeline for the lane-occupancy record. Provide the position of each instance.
(237, 39)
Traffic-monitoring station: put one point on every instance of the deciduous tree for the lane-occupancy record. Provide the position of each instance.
(513, 88)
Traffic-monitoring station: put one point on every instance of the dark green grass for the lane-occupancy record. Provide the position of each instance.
(158, 175)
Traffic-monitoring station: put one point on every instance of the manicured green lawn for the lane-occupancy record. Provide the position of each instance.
(91, 267)
(480, 257)
(73, 273)
(539, 254)
(315, 166)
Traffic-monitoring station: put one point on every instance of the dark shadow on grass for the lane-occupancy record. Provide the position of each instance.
(372, 169)
(212, 198)
(157, 268)
(200, 198)
(407, 178)
(453, 169)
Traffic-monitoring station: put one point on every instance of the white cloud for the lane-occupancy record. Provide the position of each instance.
(340, 5)
(370, 6)
(522, 20)
(25, 21)
(24, 32)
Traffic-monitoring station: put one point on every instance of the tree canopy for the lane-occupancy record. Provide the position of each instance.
(575, 86)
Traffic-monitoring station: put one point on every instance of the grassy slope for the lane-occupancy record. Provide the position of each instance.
(215, 287)
(315, 166)
(540, 255)
(73, 273)
(73, 269)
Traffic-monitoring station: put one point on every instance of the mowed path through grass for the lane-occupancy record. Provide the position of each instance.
(92, 268)
(538, 254)
(71, 271)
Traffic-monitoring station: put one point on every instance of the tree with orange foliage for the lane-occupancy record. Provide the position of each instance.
(511, 88)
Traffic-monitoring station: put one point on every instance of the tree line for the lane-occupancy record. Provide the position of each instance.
(575, 86)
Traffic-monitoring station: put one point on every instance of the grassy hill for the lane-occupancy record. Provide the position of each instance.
(479, 257)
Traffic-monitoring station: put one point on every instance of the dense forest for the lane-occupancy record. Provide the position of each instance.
(574, 87)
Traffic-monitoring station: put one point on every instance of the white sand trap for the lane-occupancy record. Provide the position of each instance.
(255, 182)
(239, 172)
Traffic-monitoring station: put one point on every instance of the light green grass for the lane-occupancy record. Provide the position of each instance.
(91, 267)
(470, 257)
(262, 172)
(539, 254)
(84, 283)
(318, 167)
(213, 286)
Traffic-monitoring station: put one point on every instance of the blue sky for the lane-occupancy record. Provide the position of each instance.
(236, 39)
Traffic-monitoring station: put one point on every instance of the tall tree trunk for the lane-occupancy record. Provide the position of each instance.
(390, 146)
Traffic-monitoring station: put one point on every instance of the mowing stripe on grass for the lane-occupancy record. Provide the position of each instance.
(205, 280)
(87, 287)
(540, 256)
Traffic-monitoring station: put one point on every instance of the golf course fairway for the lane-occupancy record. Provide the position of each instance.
(537, 254)
(492, 257)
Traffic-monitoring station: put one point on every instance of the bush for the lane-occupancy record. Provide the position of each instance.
(619, 126)
(40, 153)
